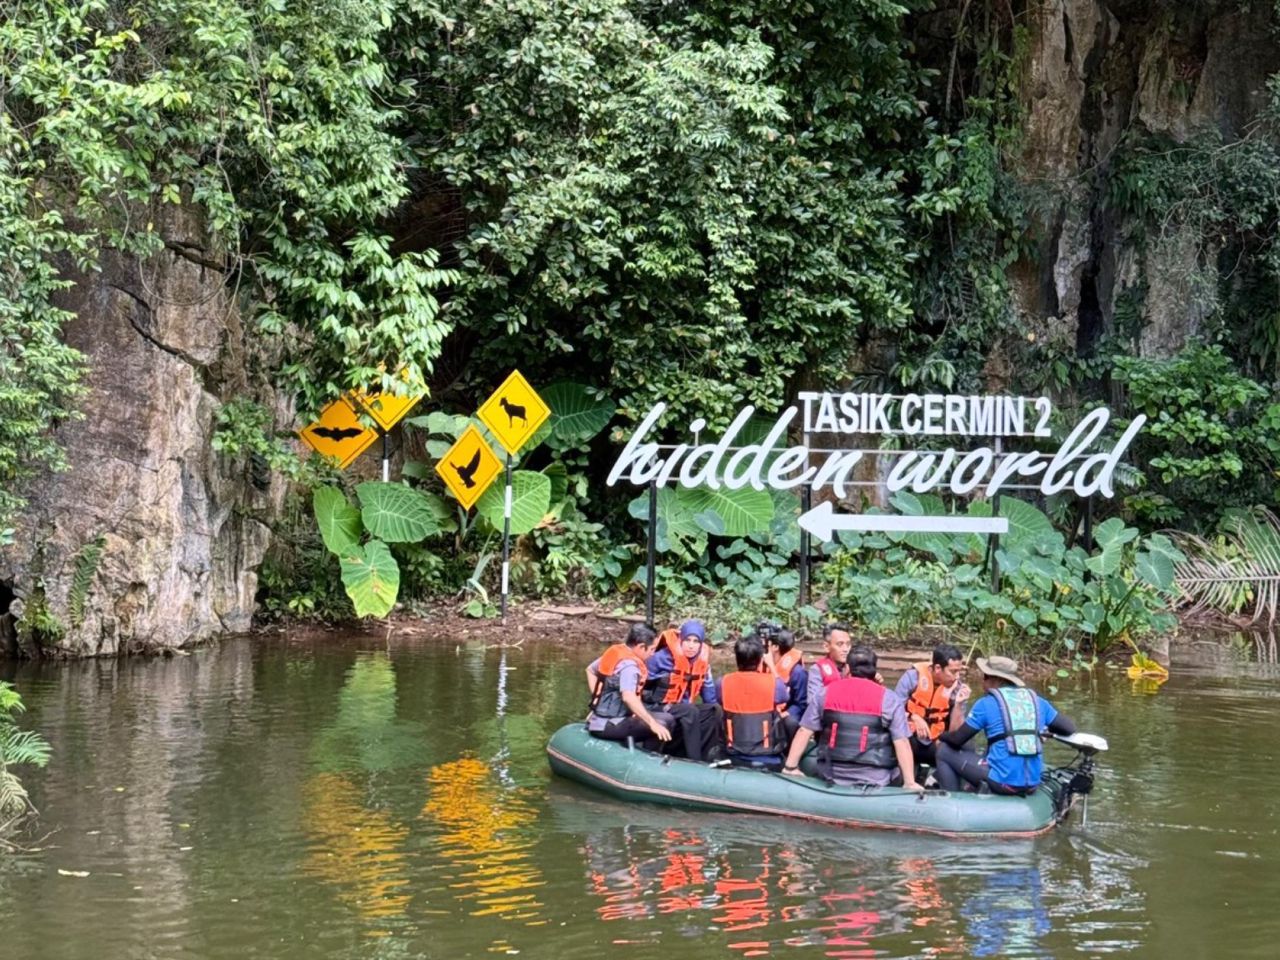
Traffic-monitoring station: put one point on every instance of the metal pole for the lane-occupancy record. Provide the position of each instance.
(993, 540)
(806, 501)
(386, 458)
(506, 541)
(651, 554)
(1088, 524)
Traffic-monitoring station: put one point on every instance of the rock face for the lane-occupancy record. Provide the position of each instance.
(149, 540)
(1094, 72)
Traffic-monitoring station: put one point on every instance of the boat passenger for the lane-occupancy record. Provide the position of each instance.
(787, 664)
(1012, 716)
(934, 696)
(753, 726)
(680, 675)
(615, 680)
(864, 733)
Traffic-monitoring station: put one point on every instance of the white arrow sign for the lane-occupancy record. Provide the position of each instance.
(822, 521)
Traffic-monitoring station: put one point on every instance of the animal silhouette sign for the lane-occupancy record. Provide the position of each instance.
(339, 434)
(387, 408)
(469, 467)
(514, 412)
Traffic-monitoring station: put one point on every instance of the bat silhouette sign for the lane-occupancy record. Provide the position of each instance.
(339, 434)
(469, 467)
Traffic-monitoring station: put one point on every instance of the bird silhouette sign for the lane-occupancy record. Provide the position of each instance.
(339, 434)
(514, 412)
(469, 467)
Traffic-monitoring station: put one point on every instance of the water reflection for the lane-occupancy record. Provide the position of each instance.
(1007, 917)
(486, 830)
(358, 850)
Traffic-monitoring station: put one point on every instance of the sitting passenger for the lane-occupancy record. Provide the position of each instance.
(680, 674)
(934, 696)
(754, 729)
(615, 680)
(787, 664)
(863, 728)
(1012, 716)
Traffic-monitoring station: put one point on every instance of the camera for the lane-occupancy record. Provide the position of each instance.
(766, 630)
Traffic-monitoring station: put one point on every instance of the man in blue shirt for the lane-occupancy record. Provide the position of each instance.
(1012, 716)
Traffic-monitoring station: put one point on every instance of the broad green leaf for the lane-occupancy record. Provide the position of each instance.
(371, 578)
(399, 514)
(530, 501)
(742, 511)
(1027, 524)
(339, 521)
(559, 476)
(576, 415)
(1113, 532)
(1155, 569)
(677, 528)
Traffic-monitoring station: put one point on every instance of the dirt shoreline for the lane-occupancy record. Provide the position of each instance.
(592, 626)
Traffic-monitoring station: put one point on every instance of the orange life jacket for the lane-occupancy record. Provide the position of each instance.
(686, 676)
(607, 699)
(785, 664)
(751, 724)
(929, 701)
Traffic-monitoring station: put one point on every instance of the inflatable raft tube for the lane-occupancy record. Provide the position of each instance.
(638, 775)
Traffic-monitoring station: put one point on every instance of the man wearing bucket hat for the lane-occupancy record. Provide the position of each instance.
(1012, 716)
(680, 675)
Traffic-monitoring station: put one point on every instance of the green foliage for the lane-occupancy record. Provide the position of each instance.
(1224, 196)
(625, 175)
(86, 565)
(17, 748)
(1051, 600)
(1236, 571)
(530, 498)
(274, 121)
(389, 513)
(1211, 442)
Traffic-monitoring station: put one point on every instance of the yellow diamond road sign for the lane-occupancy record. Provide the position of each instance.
(514, 412)
(469, 466)
(339, 433)
(386, 408)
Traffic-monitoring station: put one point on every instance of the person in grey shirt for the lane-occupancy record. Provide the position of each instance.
(615, 680)
(893, 720)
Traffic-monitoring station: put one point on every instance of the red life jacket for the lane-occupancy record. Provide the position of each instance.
(853, 730)
(607, 700)
(930, 702)
(751, 724)
(686, 676)
(830, 670)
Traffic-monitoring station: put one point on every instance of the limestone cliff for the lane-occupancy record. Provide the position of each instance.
(1094, 72)
(149, 540)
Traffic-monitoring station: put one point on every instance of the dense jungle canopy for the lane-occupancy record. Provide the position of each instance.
(707, 203)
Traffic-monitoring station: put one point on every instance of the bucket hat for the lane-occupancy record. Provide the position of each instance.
(1002, 667)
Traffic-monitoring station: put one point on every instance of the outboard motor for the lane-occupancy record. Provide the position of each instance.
(1076, 778)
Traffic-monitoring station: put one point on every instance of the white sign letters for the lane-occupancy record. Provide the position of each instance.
(1077, 464)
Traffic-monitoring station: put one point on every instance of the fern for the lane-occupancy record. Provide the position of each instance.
(17, 748)
(1239, 572)
(86, 566)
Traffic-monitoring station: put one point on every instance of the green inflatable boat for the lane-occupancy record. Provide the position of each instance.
(638, 775)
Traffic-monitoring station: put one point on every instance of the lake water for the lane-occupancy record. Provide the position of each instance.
(365, 798)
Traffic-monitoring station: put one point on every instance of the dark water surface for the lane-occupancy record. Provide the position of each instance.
(360, 799)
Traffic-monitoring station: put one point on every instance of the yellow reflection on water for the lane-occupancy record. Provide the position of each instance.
(484, 831)
(358, 850)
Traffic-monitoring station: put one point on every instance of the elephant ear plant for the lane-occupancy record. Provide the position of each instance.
(388, 513)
